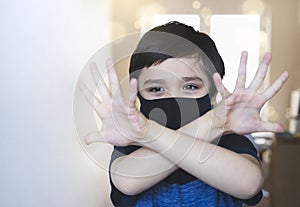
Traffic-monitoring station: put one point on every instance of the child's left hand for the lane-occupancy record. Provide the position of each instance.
(239, 112)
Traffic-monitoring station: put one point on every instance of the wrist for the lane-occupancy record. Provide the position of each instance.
(165, 142)
(217, 126)
(141, 127)
(220, 119)
(153, 132)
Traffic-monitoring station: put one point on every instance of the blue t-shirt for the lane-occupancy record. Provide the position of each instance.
(182, 189)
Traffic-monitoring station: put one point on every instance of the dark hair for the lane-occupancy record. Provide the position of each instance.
(175, 40)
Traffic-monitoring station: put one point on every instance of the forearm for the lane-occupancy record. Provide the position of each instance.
(144, 167)
(204, 128)
(140, 170)
(216, 166)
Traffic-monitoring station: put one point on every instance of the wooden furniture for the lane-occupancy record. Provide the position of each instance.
(285, 171)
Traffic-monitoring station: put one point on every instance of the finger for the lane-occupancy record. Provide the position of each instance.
(132, 92)
(270, 127)
(113, 78)
(241, 80)
(88, 95)
(94, 137)
(261, 72)
(219, 85)
(99, 82)
(275, 87)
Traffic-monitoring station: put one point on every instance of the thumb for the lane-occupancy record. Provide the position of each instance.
(93, 137)
(271, 127)
(132, 92)
(220, 86)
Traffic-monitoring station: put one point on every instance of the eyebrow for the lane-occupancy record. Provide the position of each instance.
(154, 81)
(161, 81)
(194, 78)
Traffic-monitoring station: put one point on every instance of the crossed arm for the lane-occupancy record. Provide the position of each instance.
(165, 150)
(143, 168)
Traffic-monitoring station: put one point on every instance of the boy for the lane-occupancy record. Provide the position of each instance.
(168, 153)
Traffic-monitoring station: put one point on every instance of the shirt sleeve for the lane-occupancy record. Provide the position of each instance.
(242, 145)
(118, 198)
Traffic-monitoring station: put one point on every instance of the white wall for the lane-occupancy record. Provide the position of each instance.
(43, 47)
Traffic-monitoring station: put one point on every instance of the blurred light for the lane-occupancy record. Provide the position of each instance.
(263, 39)
(118, 30)
(143, 24)
(146, 13)
(207, 20)
(150, 10)
(196, 4)
(254, 7)
(263, 36)
(205, 12)
(137, 24)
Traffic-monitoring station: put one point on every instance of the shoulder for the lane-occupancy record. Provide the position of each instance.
(239, 144)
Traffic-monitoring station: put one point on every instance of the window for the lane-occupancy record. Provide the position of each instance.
(233, 34)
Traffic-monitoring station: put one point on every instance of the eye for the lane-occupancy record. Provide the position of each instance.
(156, 89)
(190, 87)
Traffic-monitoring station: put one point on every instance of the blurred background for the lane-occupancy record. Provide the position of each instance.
(44, 46)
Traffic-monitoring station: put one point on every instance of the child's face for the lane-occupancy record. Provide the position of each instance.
(175, 77)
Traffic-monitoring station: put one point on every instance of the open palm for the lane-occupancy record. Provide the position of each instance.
(239, 112)
(122, 123)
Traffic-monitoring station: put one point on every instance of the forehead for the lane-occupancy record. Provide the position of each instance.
(175, 67)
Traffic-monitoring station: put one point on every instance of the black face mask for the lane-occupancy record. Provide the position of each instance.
(174, 112)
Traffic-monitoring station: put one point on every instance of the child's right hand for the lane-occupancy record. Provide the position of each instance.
(239, 112)
(122, 123)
